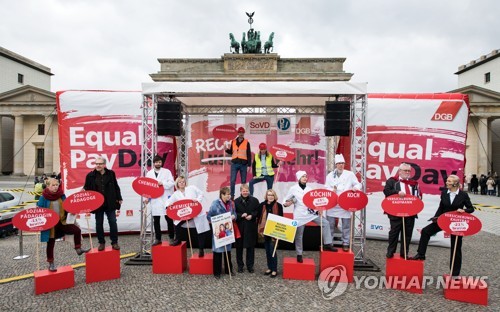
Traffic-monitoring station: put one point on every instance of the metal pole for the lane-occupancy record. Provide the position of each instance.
(21, 254)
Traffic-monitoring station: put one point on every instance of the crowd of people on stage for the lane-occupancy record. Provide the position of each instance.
(249, 214)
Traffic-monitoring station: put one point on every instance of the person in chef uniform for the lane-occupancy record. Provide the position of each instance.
(185, 191)
(303, 215)
(339, 181)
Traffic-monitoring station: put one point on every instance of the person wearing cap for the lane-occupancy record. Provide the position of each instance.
(401, 185)
(241, 156)
(158, 205)
(304, 215)
(262, 168)
(339, 181)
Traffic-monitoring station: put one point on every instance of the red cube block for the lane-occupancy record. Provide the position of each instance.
(202, 265)
(299, 271)
(404, 274)
(468, 289)
(342, 262)
(46, 281)
(169, 259)
(102, 265)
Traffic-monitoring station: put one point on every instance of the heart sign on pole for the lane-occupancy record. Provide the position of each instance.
(459, 224)
(184, 209)
(147, 187)
(224, 132)
(353, 201)
(35, 219)
(83, 202)
(282, 152)
(320, 199)
(402, 206)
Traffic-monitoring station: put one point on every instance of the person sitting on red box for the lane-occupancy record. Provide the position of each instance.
(158, 205)
(241, 157)
(401, 185)
(219, 206)
(52, 198)
(200, 221)
(263, 168)
(339, 181)
(304, 215)
(452, 199)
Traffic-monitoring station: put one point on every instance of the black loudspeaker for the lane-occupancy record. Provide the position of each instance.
(337, 118)
(169, 118)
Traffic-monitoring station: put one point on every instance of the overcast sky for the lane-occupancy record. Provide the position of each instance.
(394, 45)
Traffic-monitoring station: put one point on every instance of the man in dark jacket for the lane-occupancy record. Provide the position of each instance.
(247, 210)
(452, 199)
(401, 185)
(104, 181)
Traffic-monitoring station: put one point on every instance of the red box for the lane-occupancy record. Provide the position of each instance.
(343, 260)
(468, 289)
(202, 265)
(46, 281)
(404, 274)
(102, 265)
(169, 259)
(299, 271)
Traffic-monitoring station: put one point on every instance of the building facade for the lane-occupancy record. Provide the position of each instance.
(480, 80)
(28, 120)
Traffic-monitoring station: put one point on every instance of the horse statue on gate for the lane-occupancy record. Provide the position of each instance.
(244, 48)
(268, 46)
(234, 44)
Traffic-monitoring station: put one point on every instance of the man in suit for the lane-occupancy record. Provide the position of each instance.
(401, 185)
(453, 199)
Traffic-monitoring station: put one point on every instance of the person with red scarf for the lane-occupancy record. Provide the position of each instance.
(52, 198)
(401, 185)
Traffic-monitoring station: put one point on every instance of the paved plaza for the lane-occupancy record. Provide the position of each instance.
(140, 290)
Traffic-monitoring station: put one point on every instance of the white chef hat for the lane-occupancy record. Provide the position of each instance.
(300, 174)
(339, 158)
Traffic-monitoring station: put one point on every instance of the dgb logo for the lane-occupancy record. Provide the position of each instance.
(283, 124)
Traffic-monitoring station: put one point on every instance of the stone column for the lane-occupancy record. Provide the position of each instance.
(48, 147)
(18, 145)
(483, 149)
(1, 146)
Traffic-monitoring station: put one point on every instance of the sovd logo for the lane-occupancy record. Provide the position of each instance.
(447, 111)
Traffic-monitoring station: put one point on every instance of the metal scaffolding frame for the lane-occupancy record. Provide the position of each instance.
(358, 150)
(148, 151)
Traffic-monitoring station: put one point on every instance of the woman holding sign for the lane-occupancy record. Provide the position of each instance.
(453, 199)
(269, 205)
(219, 206)
(52, 198)
(200, 221)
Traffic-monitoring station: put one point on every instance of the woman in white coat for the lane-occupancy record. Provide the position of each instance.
(339, 181)
(158, 205)
(303, 215)
(200, 221)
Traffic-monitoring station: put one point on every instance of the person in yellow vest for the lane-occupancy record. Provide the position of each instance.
(263, 168)
(241, 157)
